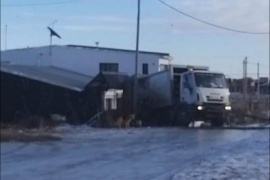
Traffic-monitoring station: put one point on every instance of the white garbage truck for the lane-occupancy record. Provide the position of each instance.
(182, 94)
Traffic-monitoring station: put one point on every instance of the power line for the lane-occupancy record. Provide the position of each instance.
(255, 63)
(209, 23)
(41, 4)
(250, 62)
(264, 66)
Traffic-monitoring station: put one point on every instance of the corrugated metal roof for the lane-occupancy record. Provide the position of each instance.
(51, 75)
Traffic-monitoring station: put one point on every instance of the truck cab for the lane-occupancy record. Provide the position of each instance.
(207, 94)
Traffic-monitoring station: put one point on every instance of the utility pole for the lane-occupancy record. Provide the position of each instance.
(245, 78)
(258, 80)
(6, 38)
(136, 61)
(51, 45)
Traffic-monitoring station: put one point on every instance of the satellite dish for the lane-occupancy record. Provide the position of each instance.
(53, 33)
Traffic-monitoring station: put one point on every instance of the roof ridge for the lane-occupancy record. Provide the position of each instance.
(117, 49)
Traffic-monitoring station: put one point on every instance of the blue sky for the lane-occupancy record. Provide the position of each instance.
(113, 24)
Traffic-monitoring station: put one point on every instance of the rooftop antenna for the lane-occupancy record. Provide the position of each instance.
(52, 33)
(97, 43)
(52, 24)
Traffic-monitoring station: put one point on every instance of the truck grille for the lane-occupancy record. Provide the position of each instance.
(214, 98)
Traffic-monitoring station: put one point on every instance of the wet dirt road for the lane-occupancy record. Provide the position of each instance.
(141, 154)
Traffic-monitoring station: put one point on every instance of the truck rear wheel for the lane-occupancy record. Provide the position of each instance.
(182, 119)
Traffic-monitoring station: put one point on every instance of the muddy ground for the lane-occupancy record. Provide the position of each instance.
(140, 153)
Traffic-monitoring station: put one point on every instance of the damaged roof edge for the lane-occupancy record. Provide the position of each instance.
(50, 75)
(42, 80)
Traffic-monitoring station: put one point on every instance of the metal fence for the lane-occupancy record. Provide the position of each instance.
(251, 105)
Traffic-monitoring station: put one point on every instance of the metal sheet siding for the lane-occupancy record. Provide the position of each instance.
(83, 60)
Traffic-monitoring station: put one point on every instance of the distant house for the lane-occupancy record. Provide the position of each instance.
(265, 88)
(236, 85)
(87, 60)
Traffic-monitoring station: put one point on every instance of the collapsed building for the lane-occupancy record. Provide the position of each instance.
(28, 91)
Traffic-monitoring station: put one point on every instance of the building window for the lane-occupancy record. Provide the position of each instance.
(145, 68)
(108, 67)
(163, 67)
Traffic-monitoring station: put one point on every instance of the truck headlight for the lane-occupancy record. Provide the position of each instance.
(228, 108)
(200, 108)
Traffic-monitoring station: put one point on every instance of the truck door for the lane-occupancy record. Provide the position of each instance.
(188, 89)
(193, 88)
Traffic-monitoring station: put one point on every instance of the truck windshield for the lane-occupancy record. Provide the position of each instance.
(210, 80)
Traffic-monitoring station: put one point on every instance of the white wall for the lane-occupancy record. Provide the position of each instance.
(112, 94)
(87, 60)
(82, 60)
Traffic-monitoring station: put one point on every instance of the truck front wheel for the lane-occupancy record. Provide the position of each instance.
(182, 119)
